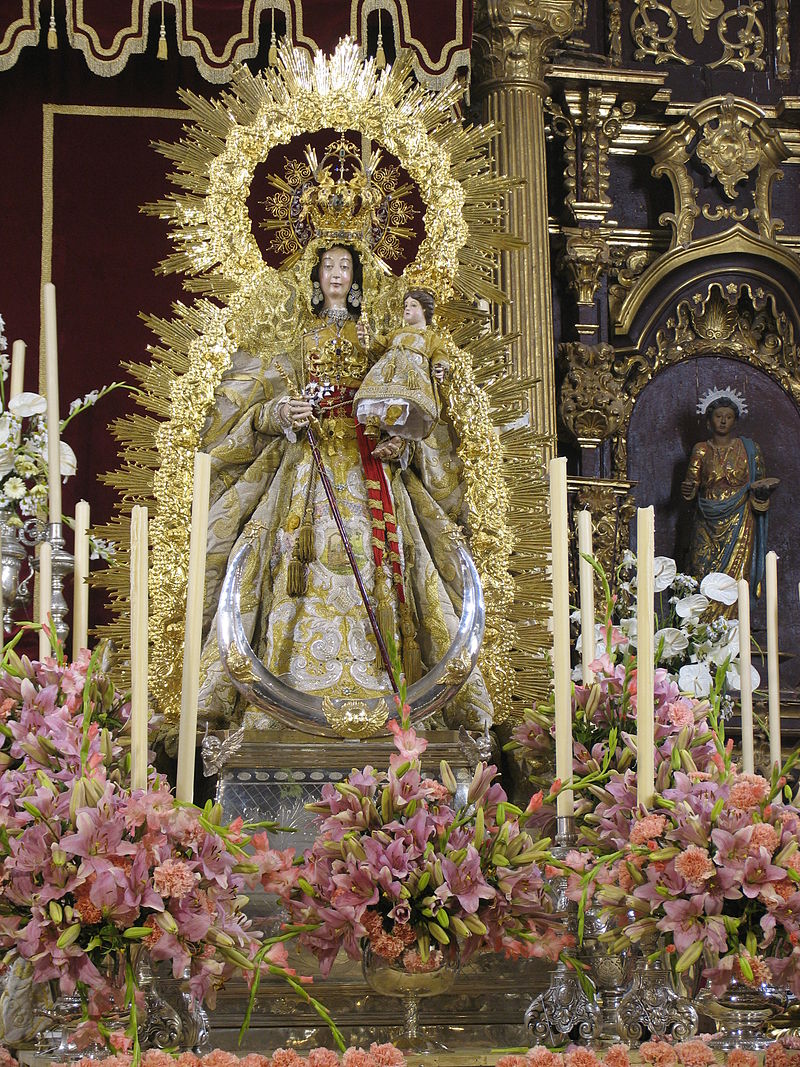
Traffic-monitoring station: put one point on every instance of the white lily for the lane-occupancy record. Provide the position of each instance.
(24, 405)
(720, 587)
(664, 571)
(695, 679)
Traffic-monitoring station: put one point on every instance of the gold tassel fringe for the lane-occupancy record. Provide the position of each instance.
(380, 57)
(412, 660)
(305, 543)
(162, 44)
(52, 36)
(295, 578)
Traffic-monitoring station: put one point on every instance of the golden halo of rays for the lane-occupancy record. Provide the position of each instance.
(242, 301)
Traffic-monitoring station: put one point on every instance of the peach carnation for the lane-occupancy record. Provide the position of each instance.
(695, 865)
(387, 1055)
(513, 1060)
(357, 1057)
(695, 1054)
(748, 791)
(580, 1057)
(283, 1057)
(741, 1057)
(322, 1057)
(173, 878)
(543, 1057)
(658, 1053)
(216, 1058)
(681, 714)
(647, 828)
(764, 835)
(617, 1056)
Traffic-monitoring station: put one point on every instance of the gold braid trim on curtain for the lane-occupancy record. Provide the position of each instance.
(20, 32)
(217, 63)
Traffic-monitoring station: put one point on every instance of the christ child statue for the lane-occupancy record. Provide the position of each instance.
(397, 401)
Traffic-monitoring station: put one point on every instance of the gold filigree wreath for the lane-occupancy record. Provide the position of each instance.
(242, 301)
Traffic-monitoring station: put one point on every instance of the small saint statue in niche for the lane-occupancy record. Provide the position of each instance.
(726, 474)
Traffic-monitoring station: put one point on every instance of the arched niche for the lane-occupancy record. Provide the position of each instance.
(664, 426)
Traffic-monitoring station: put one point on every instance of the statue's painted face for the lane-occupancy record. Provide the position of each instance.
(723, 420)
(413, 312)
(335, 276)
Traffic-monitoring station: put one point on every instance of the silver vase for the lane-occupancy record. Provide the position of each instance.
(12, 555)
(742, 1013)
(611, 972)
(652, 1008)
(563, 1012)
(172, 1018)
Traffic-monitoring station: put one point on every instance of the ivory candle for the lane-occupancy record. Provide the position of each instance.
(773, 669)
(645, 725)
(746, 680)
(45, 596)
(51, 390)
(16, 383)
(139, 613)
(587, 595)
(195, 590)
(80, 602)
(565, 804)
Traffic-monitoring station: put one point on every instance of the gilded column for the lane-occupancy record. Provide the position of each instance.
(510, 46)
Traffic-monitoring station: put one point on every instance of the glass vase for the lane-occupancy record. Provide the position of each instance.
(410, 979)
(742, 1013)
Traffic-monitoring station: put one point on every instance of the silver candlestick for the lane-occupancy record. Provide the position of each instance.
(61, 565)
(652, 1008)
(563, 1012)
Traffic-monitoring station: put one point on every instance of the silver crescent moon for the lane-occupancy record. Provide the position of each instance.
(311, 714)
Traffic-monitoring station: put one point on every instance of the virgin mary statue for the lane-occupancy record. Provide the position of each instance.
(295, 294)
(400, 497)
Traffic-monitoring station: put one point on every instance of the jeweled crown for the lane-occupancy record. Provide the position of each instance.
(337, 208)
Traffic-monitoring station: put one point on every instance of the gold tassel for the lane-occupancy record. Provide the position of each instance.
(380, 55)
(295, 580)
(272, 55)
(384, 614)
(305, 543)
(162, 37)
(52, 36)
(412, 660)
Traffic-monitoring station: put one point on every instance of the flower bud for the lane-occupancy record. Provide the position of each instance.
(166, 922)
(69, 936)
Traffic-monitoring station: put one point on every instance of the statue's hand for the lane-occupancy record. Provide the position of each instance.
(441, 371)
(688, 489)
(362, 333)
(296, 413)
(389, 449)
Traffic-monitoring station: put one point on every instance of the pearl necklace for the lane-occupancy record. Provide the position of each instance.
(338, 316)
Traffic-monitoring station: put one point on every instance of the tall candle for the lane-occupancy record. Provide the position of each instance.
(2, 606)
(587, 595)
(16, 384)
(195, 590)
(139, 612)
(645, 725)
(51, 390)
(565, 804)
(773, 670)
(45, 596)
(80, 605)
(746, 680)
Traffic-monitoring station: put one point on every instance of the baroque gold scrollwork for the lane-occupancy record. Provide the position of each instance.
(593, 402)
(729, 149)
(655, 25)
(612, 507)
(782, 50)
(586, 259)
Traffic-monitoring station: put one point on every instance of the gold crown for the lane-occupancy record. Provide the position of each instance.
(337, 208)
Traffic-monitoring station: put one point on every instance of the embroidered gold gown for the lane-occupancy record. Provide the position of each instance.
(729, 531)
(301, 608)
